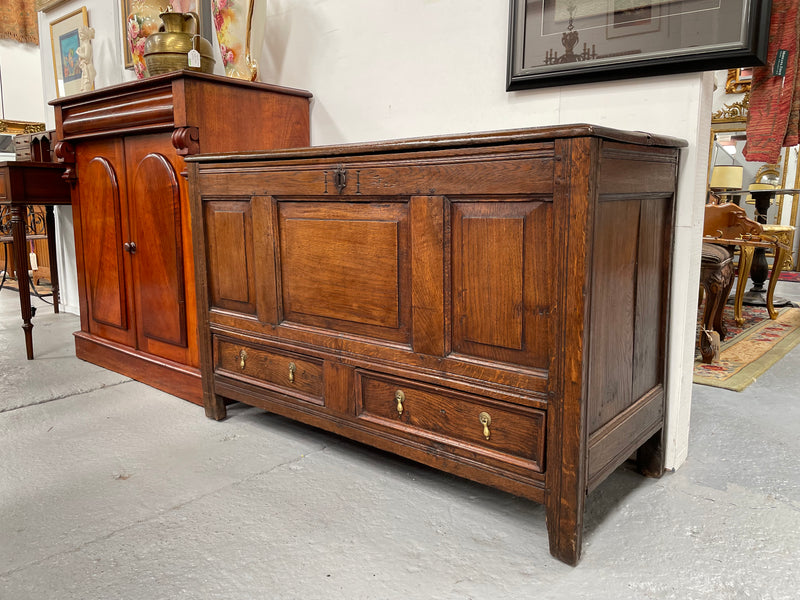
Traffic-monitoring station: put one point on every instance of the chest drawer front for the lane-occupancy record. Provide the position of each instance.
(287, 373)
(468, 424)
(526, 173)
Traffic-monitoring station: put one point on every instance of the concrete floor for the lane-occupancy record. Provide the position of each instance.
(110, 489)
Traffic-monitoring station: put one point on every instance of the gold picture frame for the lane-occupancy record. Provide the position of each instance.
(7, 126)
(127, 7)
(64, 41)
(45, 5)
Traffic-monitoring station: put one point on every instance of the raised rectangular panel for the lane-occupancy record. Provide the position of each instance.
(502, 281)
(344, 267)
(229, 248)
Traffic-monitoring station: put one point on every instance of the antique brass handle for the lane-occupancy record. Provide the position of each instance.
(242, 358)
(292, 369)
(399, 397)
(485, 420)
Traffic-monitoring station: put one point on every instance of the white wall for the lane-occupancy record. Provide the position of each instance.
(381, 69)
(21, 72)
(23, 85)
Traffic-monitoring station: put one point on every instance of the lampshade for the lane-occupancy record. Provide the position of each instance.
(757, 186)
(726, 177)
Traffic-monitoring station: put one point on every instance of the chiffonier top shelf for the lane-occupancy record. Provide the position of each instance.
(183, 99)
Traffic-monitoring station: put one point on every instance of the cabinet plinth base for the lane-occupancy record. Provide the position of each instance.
(170, 377)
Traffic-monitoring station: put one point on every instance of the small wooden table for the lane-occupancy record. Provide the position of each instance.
(24, 184)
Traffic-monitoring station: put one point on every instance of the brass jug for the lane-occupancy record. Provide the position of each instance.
(168, 49)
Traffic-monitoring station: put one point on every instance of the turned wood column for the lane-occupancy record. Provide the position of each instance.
(19, 213)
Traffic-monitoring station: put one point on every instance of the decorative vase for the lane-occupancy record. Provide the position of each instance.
(168, 49)
(142, 21)
(232, 23)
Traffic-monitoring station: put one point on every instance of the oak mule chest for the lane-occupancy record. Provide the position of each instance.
(492, 305)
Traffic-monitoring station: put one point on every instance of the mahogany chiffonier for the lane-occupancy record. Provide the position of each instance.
(126, 146)
(492, 305)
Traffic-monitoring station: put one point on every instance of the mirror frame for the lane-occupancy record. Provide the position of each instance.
(12, 128)
(16, 127)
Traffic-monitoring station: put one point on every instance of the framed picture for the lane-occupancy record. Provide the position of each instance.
(140, 19)
(45, 5)
(560, 42)
(64, 41)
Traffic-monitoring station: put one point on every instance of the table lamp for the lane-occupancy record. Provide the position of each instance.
(726, 177)
(757, 186)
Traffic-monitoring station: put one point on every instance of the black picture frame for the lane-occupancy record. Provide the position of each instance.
(551, 44)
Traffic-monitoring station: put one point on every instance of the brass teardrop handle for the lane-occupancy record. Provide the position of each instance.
(292, 369)
(242, 358)
(399, 397)
(485, 420)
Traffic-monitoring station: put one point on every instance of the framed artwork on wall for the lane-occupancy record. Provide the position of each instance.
(45, 5)
(139, 19)
(560, 42)
(64, 41)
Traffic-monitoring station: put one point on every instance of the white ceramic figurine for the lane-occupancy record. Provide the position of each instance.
(84, 52)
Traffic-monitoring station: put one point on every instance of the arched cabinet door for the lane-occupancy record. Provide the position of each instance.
(107, 301)
(157, 252)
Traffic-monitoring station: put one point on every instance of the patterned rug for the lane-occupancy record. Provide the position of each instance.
(789, 276)
(751, 349)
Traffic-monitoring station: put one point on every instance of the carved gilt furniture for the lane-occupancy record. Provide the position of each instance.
(125, 146)
(728, 225)
(469, 302)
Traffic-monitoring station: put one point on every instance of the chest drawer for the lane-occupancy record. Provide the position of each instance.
(469, 425)
(288, 373)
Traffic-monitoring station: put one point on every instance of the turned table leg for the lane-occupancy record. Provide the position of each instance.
(19, 223)
(757, 295)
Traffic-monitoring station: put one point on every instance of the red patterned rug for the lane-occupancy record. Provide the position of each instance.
(750, 349)
(793, 276)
